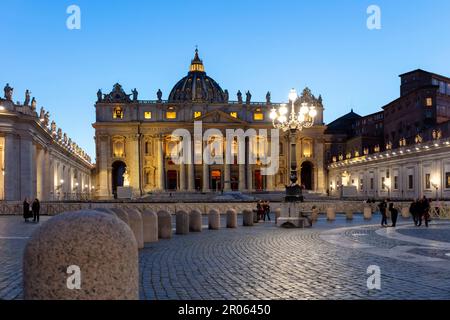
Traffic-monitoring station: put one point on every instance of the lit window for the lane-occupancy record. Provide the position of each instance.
(147, 115)
(258, 116)
(233, 114)
(171, 114)
(118, 113)
(429, 102)
(197, 114)
(427, 181)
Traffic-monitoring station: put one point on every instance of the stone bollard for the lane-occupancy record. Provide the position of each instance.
(315, 214)
(349, 214)
(248, 218)
(164, 225)
(90, 250)
(195, 221)
(331, 214)
(367, 213)
(277, 214)
(150, 226)
(122, 215)
(106, 210)
(136, 226)
(231, 218)
(182, 222)
(214, 220)
(405, 212)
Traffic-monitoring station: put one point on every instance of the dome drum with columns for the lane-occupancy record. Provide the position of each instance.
(135, 135)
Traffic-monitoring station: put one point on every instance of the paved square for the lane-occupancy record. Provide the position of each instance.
(264, 262)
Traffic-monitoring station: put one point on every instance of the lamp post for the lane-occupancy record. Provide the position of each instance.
(293, 122)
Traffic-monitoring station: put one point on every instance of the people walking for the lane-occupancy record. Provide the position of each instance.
(424, 211)
(36, 208)
(266, 208)
(26, 210)
(383, 207)
(413, 210)
(394, 214)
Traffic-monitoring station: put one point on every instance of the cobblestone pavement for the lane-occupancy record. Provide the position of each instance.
(329, 261)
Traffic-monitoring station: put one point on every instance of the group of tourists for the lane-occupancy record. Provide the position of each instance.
(263, 210)
(31, 210)
(420, 211)
(383, 206)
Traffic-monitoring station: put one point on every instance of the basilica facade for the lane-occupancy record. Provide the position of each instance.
(135, 141)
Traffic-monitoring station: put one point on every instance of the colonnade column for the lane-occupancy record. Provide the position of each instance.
(226, 173)
(161, 174)
(191, 172)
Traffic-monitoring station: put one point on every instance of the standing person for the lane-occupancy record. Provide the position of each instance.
(26, 210)
(394, 214)
(267, 211)
(426, 210)
(36, 207)
(259, 210)
(383, 207)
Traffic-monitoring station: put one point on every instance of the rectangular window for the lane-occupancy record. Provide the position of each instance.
(447, 180)
(410, 182)
(429, 102)
(427, 181)
(395, 182)
(258, 116)
(147, 115)
(197, 114)
(233, 114)
(171, 114)
(361, 184)
(371, 183)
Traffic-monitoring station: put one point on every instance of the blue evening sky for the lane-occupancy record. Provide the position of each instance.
(256, 45)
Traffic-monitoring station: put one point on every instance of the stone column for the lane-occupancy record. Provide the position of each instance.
(249, 177)
(182, 186)
(104, 174)
(191, 169)
(12, 182)
(242, 177)
(227, 178)
(205, 177)
(27, 168)
(161, 171)
(269, 182)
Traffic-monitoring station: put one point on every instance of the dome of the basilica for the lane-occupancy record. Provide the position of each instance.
(197, 86)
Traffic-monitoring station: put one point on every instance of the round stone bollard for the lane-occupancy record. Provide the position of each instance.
(164, 225)
(277, 214)
(90, 250)
(214, 220)
(315, 214)
(106, 210)
(232, 219)
(182, 222)
(136, 226)
(367, 213)
(122, 215)
(331, 214)
(349, 214)
(195, 221)
(405, 212)
(150, 226)
(248, 218)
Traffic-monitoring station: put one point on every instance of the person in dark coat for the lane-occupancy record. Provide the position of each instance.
(424, 212)
(383, 208)
(36, 208)
(26, 210)
(394, 214)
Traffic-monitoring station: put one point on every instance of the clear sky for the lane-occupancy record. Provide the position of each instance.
(256, 45)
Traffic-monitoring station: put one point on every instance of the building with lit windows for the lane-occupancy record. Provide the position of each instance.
(135, 136)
